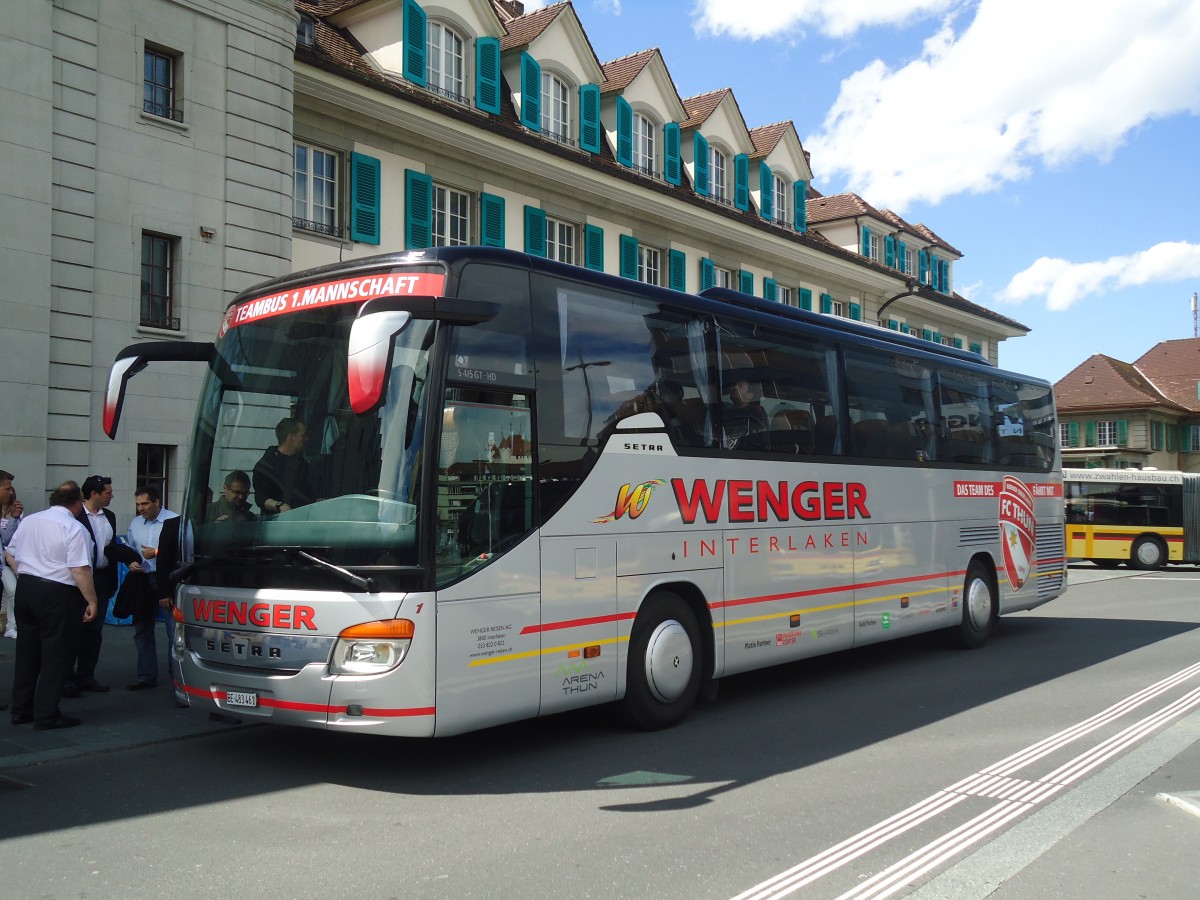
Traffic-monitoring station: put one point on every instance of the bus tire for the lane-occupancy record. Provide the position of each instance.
(980, 609)
(1147, 553)
(665, 663)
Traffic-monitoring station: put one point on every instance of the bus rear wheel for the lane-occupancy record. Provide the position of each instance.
(981, 608)
(1106, 563)
(1147, 553)
(665, 662)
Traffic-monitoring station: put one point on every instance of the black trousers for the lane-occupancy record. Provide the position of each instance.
(91, 635)
(49, 617)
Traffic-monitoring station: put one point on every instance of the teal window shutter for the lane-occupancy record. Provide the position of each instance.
(535, 231)
(923, 266)
(866, 241)
(671, 165)
(769, 289)
(945, 276)
(414, 43)
(935, 273)
(893, 325)
(1091, 434)
(418, 210)
(1122, 432)
(531, 93)
(364, 198)
(805, 296)
(491, 217)
(589, 118)
(700, 153)
(889, 251)
(856, 312)
(766, 191)
(826, 303)
(800, 205)
(624, 132)
(958, 343)
(741, 181)
(1072, 434)
(976, 348)
(1185, 438)
(593, 247)
(904, 328)
(902, 257)
(677, 266)
(707, 274)
(927, 334)
(629, 256)
(487, 74)
(745, 281)
(937, 337)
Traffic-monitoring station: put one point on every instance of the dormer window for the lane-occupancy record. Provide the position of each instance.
(444, 60)
(556, 109)
(306, 33)
(643, 145)
(782, 207)
(718, 175)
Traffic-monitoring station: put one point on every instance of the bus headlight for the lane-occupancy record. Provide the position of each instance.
(371, 648)
(179, 640)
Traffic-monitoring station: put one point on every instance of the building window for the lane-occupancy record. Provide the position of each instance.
(306, 32)
(782, 191)
(315, 186)
(717, 183)
(837, 308)
(1106, 434)
(722, 278)
(784, 295)
(158, 85)
(158, 282)
(556, 109)
(1193, 438)
(560, 241)
(873, 245)
(153, 468)
(451, 217)
(444, 56)
(1064, 434)
(908, 262)
(649, 265)
(643, 145)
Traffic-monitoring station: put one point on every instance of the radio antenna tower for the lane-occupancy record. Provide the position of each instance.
(1195, 315)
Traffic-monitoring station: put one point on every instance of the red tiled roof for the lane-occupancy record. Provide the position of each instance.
(700, 107)
(525, 29)
(767, 137)
(619, 73)
(1174, 368)
(848, 206)
(1101, 382)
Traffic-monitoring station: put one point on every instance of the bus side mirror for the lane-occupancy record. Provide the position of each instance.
(369, 355)
(133, 359)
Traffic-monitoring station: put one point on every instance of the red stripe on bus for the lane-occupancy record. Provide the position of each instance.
(792, 595)
(314, 707)
(1123, 536)
(577, 623)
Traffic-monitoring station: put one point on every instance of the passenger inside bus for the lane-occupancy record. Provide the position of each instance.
(745, 420)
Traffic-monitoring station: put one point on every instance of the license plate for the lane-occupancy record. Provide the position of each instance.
(241, 698)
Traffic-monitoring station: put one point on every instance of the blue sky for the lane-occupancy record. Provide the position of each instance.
(1055, 143)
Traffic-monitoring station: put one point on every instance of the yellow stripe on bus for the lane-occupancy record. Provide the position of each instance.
(506, 657)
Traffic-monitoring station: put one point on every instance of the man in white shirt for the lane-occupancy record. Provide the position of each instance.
(55, 596)
(143, 537)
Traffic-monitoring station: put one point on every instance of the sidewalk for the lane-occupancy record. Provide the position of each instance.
(113, 721)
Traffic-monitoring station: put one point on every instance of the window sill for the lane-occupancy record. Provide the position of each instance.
(164, 122)
(151, 331)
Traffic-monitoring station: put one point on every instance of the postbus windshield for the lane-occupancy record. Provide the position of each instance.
(279, 458)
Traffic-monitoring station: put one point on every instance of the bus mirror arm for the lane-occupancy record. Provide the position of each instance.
(133, 359)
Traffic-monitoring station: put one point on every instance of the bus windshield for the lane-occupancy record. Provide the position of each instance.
(280, 460)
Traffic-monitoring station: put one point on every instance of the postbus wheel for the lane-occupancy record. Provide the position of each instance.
(1147, 553)
(1107, 563)
(980, 608)
(665, 663)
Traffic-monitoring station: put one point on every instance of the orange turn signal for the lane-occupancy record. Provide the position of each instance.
(176, 614)
(387, 629)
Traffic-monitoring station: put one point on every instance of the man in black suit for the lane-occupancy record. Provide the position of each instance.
(101, 524)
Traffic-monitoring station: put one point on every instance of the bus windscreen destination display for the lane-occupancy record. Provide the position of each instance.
(333, 293)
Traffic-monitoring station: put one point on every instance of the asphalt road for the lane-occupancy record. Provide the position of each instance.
(1057, 761)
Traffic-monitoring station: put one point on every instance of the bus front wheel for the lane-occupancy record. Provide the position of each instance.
(980, 610)
(1147, 553)
(665, 662)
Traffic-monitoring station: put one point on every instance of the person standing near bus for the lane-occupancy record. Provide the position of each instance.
(282, 478)
(101, 526)
(11, 510)
(144, 534)
(55, 597)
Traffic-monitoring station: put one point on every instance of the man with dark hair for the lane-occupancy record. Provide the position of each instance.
(231, 506)
(55, 596)
(144, 533)
(282, 479)
(107, 551)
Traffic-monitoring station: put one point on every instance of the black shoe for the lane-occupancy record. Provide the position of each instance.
(22, 718)
(141, 686)
(70, 689)
(95, 687)
(56, 722)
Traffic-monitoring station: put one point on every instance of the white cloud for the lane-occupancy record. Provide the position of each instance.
(756, 19)
(1063, 283)
(1026, 81)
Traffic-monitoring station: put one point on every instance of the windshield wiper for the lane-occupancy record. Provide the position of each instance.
(363, 584)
